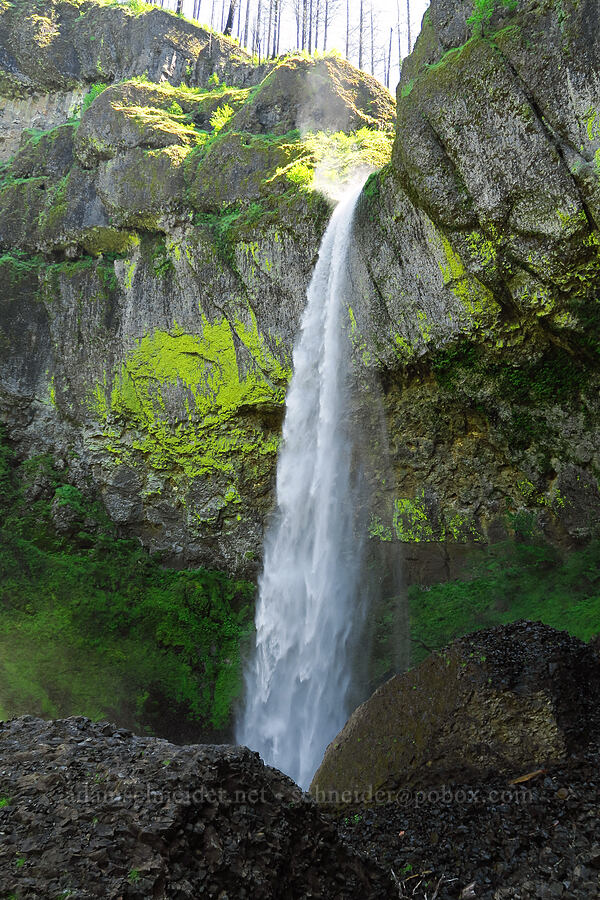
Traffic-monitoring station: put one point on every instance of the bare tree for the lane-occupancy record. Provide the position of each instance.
(279, 4)
(238, 30)
(246, 23)
(268, 40)
(347, 29)
(360, 35)
(399, 45)
(389, 61)
(230, 17)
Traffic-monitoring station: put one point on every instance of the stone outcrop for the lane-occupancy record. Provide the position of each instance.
(157, 247)
(87, 810)
(477, 277)
(503, 701)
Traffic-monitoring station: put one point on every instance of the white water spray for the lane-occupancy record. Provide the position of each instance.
(308, 607)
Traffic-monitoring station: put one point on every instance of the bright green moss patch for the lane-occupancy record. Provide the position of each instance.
(507, 582)
(151, 119)
(216, 388)
(412, 522)
(91, 625)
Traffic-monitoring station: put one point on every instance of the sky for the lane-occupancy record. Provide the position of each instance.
(385, 15)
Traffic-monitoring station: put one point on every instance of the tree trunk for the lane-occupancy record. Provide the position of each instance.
(278, 24)
(230, 18)
(268, 41)
(360, 36)
(310, 27)
(399, 45)
(347, 29)
(389, 58)
(246, 23)
(408, 24)
(304, 22)
(317, 14)
(325, 24)
(238, 30)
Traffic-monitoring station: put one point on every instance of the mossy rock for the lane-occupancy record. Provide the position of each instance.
(45, 153)
(502, 701)
(240, 167)
(312, 95)
(130, 115)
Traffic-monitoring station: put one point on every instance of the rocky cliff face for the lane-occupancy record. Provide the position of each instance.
(478, 278)
(159, 231)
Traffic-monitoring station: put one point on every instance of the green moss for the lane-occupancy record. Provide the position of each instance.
(94, 91)
(413, 523)
(483, 11)
(477, 300)
(216, 388)
(159, 120)
(507, 582)
(91, 625)
(107, 240)
(17, 266)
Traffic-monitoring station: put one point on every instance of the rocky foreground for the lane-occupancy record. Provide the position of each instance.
(536, 839)
(485, 762)
(89, 810)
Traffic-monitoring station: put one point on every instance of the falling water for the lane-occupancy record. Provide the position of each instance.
(297, 684)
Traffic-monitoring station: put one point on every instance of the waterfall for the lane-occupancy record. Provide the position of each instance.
(297, 684)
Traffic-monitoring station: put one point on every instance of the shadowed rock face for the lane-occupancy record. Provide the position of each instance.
(477, 274)
(495, 702)
(100, 813)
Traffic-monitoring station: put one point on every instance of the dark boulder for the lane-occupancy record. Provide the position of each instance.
(87, 810)
(499, 701)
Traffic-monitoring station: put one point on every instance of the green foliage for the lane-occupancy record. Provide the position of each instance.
(175, 109)
(339, 155)
(221, 117)
(4, 802)
(90, 624)
(94, 91)
(527, 384)
(483, 11)
(299, 174)
(161, 261)
(506, 582)
(213, 80)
